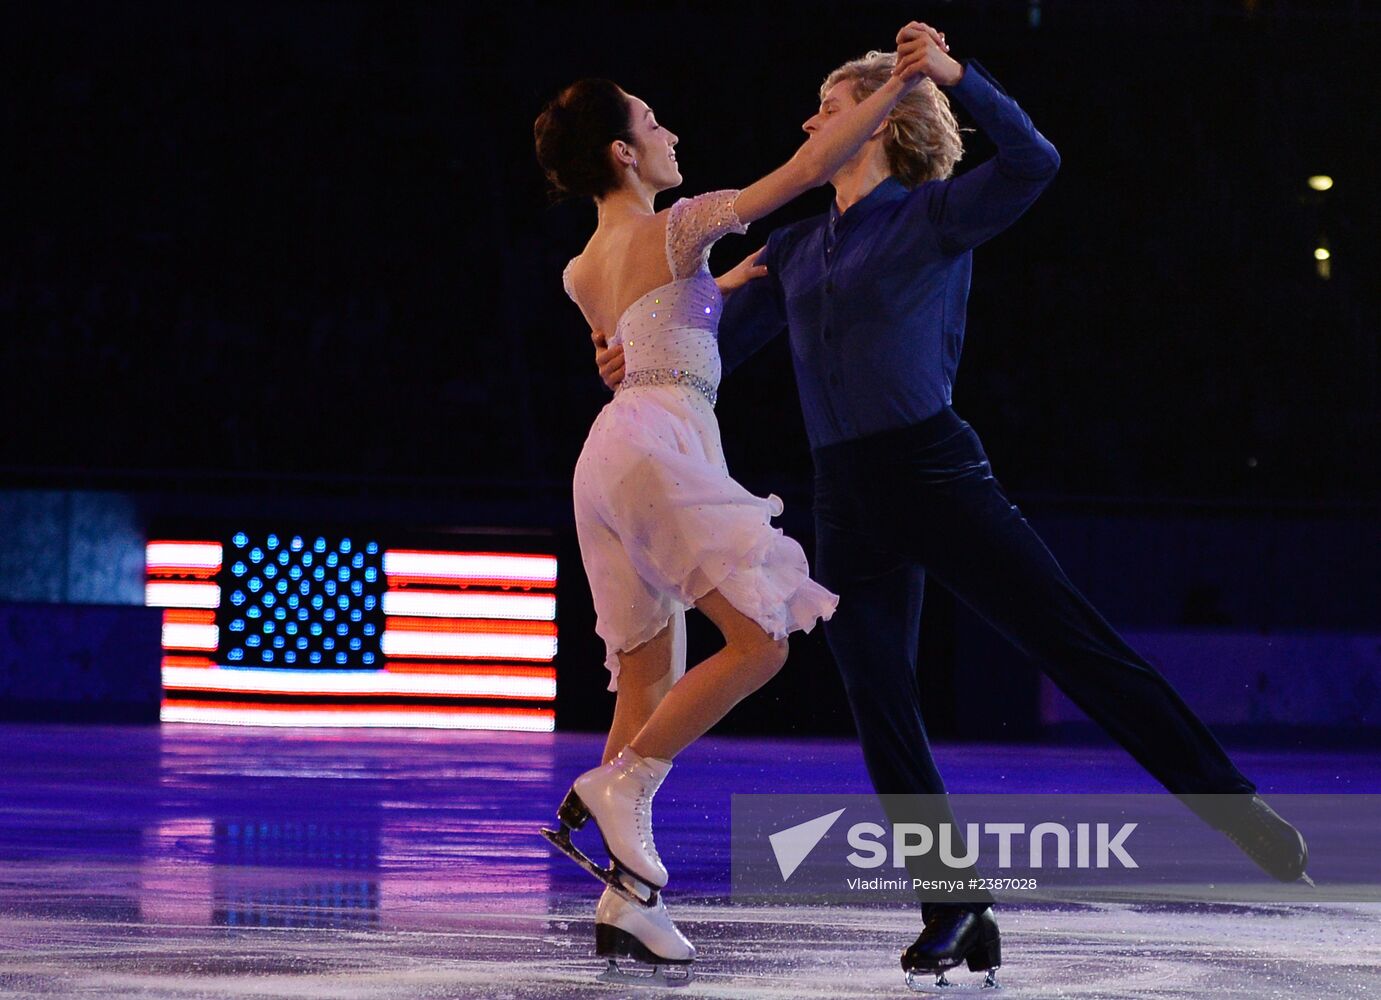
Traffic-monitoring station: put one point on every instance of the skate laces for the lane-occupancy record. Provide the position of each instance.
(642, 809)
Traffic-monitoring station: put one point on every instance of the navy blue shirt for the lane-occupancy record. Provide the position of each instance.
(874, 298)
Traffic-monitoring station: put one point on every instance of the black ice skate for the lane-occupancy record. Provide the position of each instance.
(1262, 833)
(954, 937)
(1269, 840)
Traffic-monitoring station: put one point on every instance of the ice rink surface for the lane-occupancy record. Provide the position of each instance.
(192, 862)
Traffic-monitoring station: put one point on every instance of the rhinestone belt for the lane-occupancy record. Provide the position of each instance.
(673, 376)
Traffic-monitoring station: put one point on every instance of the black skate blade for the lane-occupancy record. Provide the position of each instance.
(938, 984)
(656, 979)
(561, 840)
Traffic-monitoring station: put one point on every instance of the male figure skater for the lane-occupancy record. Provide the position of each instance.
(873, 296)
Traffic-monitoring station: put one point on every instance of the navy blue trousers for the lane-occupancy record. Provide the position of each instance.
(894, 506)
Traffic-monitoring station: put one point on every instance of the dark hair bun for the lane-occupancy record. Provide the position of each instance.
(573, 134)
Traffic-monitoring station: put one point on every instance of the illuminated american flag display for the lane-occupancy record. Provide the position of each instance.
(324, 630)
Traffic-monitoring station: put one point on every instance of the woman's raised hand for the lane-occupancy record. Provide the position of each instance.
(923, 51)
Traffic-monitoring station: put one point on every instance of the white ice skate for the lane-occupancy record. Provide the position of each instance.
(619, 797)
(644, 934)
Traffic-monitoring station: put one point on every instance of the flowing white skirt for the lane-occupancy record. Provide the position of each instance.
(661, 524)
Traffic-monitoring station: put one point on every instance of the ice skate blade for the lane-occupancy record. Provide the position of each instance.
(561, 840)
(943, 986)
(656, 979)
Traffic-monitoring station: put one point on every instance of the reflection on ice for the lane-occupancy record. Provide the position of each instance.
(198, 863)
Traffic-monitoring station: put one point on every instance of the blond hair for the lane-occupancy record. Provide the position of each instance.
(922, 139)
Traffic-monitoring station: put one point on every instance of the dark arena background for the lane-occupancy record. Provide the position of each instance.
(296, 648)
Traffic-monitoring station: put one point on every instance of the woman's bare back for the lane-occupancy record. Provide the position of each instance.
(621, 263)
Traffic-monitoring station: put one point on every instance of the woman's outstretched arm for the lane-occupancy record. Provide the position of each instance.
(828, 149)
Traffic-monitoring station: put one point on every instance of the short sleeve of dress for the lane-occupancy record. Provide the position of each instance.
(693, 226)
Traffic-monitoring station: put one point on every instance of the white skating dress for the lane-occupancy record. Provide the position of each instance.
(659, 519)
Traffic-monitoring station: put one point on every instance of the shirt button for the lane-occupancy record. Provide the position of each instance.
(829, 288)
(827, 336)
(834, 379)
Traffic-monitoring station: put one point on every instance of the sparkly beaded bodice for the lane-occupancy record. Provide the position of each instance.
(674, 328)
(670, 335)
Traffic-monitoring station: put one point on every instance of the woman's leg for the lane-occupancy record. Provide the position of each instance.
(646, 674)
(749, 659)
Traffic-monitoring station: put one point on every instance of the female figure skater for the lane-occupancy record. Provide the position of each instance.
(661, 524)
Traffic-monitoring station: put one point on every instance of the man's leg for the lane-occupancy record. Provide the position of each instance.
(975, 542)
(874, 637)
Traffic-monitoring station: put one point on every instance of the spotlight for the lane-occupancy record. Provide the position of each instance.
(1321, 253)
(1321, 182)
